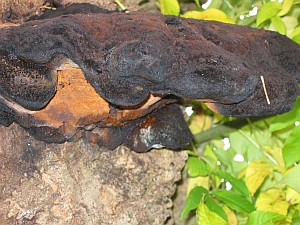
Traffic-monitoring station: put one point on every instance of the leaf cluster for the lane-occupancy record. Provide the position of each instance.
(244, 171)
(247, 175)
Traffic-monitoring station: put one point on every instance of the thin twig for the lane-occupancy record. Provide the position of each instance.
(120, 4)
(265, 89)
(48, 7)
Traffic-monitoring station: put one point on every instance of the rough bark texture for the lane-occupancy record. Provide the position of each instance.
(80, 183)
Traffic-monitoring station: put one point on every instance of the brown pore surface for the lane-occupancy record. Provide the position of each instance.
(76, 107)
(77, 104)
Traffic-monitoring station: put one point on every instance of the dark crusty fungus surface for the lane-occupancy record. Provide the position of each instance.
(130, 67)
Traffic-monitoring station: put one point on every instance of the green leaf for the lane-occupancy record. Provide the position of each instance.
(170, 7)
(207, 217)
(209, 157)
(234, 200)
(292, 179)
(214, 207)
(286, 6)
(198, 3)
(296, 38)
(256, 173)
(264, 218)
(267, 11)
(285, 120)
(196, 167)
(290, 151)
(296, 35)
(209, 14)
(279, 25)
(237, 185)
(194, 198)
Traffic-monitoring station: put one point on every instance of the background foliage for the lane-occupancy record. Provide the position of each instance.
(244, 171)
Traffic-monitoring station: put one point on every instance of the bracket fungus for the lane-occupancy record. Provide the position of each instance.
(114, 78)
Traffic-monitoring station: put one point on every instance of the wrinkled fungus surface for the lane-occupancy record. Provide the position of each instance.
(130, 67)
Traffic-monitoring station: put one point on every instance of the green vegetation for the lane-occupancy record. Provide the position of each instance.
(244, 171)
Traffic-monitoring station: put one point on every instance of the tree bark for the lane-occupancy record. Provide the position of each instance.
(80, 183)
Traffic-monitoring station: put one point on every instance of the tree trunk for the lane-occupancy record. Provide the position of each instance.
(80, 183)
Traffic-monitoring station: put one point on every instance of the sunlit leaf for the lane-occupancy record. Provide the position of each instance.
(198, 181)
(209, 14)
(267, 11)
(193, 199)
(290, 151)
(256, 173)
(272, 200)
(214, 207)
(286, 6)
(276, 153)
(279, 25)
(237, 185)
(292, 179)
(209, 157)
(225, 157)
(290, 24)
(196, 167)
(296, 35)
(264, 218)
(199, 123)
(234, 200)
(296, 38)
(292, 196)
(286, 119)
(246, 143)
(207, 217)
(169, 7)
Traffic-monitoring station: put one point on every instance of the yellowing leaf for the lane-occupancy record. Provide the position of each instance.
(232, 220)
(200, 122)
(209, 14)
(286, 6)
(207, 217)
(272, 200)
(198, 181)
(256, 173)
(276, 152)
(292, 196)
